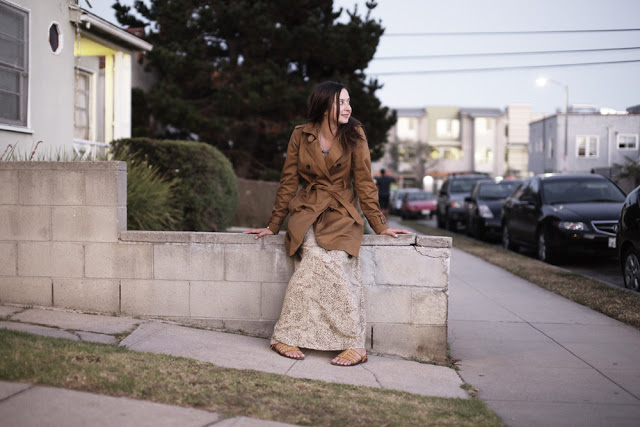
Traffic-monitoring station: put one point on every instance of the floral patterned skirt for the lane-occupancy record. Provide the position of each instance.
(324, 304)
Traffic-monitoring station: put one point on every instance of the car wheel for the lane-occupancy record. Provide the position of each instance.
(506, 239)
(451, 225)
(631, 270)
(545, 253)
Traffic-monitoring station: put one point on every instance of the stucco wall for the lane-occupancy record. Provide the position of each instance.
(63, 243)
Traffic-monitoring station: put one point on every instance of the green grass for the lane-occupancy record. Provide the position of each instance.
(117, 371)
(616, 303)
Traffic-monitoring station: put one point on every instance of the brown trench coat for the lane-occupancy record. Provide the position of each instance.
(326, 196)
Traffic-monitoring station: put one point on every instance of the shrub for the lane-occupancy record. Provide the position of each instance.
(207, 192)
(151, 204)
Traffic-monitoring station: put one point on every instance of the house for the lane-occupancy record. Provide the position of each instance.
(582, 141)
(436, 141)
(67, 79)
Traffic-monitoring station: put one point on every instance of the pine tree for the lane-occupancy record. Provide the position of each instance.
(237, 73)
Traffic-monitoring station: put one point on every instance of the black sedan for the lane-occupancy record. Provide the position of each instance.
(484, 207)
(628, 240)
(563, 214)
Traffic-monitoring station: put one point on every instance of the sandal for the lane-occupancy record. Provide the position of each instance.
(352, 356)
(282, 349)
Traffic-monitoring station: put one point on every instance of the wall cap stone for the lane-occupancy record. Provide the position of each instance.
(434, 241)
(66, 166)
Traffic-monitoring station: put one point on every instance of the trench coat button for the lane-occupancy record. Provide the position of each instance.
(311, 138)
(331, 209)
(308, 167)
(303, 207)
(339, 165)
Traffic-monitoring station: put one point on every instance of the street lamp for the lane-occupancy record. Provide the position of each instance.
(541, 82)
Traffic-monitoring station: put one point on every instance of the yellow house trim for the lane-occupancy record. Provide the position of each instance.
(87, 47)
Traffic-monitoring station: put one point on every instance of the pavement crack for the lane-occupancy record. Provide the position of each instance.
(17, 393)
(375, 377)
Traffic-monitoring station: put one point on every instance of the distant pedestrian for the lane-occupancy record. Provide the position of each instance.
(324, 304)
(384, 191)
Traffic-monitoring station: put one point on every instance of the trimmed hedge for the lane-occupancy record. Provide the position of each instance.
(207, 190)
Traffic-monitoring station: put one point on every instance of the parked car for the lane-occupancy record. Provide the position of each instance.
(484, 207)
(563, 214)
(450, 209)
(628, 240)
(418, 204)
(395, 200)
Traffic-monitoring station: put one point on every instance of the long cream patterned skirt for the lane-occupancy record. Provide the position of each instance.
(324, 304)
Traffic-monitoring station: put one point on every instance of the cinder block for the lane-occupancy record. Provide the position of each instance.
(367, 265)
(101, 188)
(155, 297)
(272, 299)
(50, 259)
(429, 307)
(225, 300)
(250, 263)
(25, 222)
(122, 218)
(425, 343)
(118, 260)
(26, 290)
(8, 187)
(100, 295)
(85, 224)
(51, 187)
(409, 267)
(122, 184)
(8, 259)
(188, 262)
(388, 304)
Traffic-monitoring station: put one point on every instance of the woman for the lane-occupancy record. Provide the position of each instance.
(329, 156)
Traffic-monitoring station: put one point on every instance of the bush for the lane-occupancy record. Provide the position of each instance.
(207, 191)
(151, 203)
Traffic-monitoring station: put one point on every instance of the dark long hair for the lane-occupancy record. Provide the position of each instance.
(322, 99)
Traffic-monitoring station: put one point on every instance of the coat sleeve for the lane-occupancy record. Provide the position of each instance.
(289, 180)
(365, 186)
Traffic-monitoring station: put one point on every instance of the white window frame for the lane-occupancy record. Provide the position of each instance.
(635, 143)
(587, 139)
(22, 125)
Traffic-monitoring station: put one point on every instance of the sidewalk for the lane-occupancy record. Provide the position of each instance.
(537, 358)
(222, 349)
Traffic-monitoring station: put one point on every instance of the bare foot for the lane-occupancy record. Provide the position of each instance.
(285, 350)
(350, 357)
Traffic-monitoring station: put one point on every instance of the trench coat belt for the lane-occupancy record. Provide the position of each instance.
(333, 190)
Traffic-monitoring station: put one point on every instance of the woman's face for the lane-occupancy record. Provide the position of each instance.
(344, 103)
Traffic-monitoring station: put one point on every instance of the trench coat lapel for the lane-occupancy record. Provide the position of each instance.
(314, 150)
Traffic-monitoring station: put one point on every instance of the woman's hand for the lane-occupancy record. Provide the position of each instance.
(259, 231)
(393, 232)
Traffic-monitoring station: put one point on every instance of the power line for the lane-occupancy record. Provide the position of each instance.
(468, 55)
(503, 33)
(517, 67)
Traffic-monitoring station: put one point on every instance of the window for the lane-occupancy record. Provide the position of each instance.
(586, 146)
(55, 38)
(627, 141)
(82, 107)
(448, 153)
(14, 65)
(448, 128)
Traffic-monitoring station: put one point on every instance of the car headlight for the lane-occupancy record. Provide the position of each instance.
(571, 226)
(456, 205)
(485, 212)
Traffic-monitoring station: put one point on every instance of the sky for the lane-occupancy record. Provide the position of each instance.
(433, 82)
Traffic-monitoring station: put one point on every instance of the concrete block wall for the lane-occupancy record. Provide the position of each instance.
(63, 243)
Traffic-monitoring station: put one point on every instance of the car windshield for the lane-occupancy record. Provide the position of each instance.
(496, 191)
(463, 185)
(581, 190)
(420, 196)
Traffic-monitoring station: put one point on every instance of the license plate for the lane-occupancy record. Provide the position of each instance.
(612, 242)
(426, 211)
